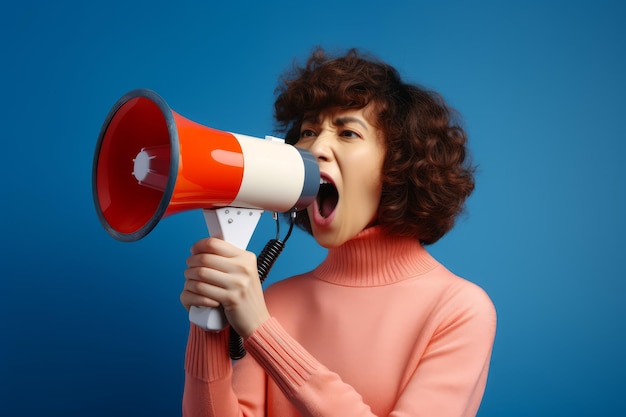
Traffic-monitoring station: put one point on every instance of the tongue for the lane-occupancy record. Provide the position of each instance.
(328, 205)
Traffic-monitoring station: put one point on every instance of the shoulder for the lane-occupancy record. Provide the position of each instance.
(462, 300)
(291, 299)
(287, 288)
(286, 284)
(469, 292)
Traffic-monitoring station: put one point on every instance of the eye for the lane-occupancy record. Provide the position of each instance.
(307, 133)
(350, 134)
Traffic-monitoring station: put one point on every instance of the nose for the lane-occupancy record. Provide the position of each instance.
(321, 147)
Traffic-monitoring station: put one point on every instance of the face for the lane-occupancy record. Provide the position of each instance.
(350, 152)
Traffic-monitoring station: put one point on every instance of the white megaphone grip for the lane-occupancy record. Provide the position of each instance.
(236, 226)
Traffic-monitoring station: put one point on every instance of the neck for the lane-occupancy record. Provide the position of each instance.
(373, 258)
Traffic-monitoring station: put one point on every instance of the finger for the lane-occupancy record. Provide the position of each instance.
(189, 298)
(206, 275)
(215, 246)
(208, 260)
(244, 264)
(203, 294)
(207, 293)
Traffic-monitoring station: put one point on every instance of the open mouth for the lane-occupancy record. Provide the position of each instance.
(327, 198)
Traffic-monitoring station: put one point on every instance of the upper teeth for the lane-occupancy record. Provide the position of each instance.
(323, 181)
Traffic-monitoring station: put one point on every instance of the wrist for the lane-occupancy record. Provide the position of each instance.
(249, 330)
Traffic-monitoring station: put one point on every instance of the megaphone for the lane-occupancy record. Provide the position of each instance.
(150, 163)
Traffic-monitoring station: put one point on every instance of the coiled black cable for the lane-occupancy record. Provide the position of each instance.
(265, 261)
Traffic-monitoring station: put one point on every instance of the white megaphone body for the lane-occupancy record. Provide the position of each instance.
(151, 162)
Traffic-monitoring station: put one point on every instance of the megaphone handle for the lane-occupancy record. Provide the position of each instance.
(208, 318)
(234, 225)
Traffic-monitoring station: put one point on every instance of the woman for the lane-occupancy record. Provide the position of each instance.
(379, 328)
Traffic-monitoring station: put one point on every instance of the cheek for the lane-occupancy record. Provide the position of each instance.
(367, 192)
(375, 190)
(366, 179)
(373, 182)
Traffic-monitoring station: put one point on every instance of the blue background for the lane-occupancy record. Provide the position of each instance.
(90, 326)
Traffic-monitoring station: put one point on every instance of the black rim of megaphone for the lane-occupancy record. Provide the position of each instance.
(166, 111)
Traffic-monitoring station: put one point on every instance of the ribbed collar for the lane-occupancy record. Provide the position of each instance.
(373, 258)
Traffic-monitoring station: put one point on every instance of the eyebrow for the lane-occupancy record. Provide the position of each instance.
(339, 121)
(342, 121)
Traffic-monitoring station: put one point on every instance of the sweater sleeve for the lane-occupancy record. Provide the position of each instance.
(312, 388)
(449, 380)
(451, 377)
(208, 376)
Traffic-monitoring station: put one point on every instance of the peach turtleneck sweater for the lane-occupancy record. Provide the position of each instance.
(380, 328)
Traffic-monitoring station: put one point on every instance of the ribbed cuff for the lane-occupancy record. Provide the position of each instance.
(284, 359)
(207, 356)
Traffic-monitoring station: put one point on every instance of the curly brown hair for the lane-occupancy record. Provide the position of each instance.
(427, 175)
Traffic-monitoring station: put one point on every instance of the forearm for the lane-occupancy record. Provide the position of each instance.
(208, 375)
(449, 381)
(310, 386)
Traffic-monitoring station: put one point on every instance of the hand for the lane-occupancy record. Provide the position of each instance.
(219, 273)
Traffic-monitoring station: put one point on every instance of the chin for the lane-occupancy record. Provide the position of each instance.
(329, 238)
(328, 243)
